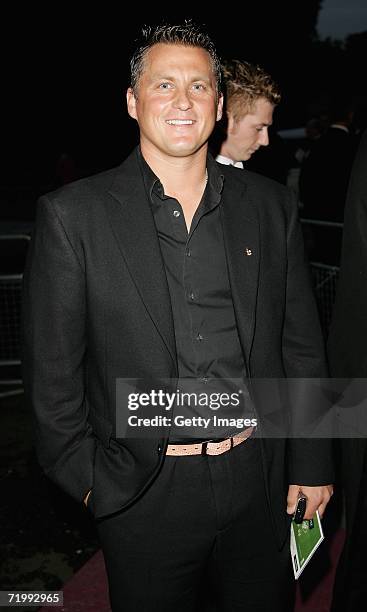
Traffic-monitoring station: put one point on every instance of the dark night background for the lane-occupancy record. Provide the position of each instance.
(66, 73)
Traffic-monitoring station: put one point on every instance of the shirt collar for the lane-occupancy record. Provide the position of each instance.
(338, 126)
(152, 182)
(229, 162)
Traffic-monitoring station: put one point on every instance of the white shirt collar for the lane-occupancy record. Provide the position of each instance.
(340, 127)
(228, 162)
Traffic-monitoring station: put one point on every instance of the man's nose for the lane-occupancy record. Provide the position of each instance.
(182, 100)
(264, 137)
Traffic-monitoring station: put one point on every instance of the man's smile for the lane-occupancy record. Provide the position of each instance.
(180, 121)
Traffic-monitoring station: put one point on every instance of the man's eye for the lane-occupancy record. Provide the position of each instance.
(165, 85)
(198, 86)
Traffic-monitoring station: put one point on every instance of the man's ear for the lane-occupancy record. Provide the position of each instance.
(220, 108)
(231, 124)
(131, 103)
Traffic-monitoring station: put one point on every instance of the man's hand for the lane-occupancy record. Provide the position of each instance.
(317, 499)
(87, 497)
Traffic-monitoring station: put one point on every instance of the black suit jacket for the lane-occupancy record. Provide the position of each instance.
(348, 331)
(325, 174)
(347, 346)
(97, 307)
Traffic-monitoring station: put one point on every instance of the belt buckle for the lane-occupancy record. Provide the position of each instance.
(204, 448)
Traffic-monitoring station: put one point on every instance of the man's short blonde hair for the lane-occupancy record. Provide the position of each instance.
(244, 84)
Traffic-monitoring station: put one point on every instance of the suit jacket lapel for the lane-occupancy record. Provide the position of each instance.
(242, 243)
(133, 225)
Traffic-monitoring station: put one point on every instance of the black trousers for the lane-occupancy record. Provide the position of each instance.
(202, 515)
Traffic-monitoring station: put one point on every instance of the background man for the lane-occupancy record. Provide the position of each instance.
(152, 271)
(251, 96)
(348, 359)
(325, 171)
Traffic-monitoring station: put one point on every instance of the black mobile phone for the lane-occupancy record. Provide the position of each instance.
(300, 509)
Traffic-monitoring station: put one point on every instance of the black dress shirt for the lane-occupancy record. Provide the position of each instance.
(209, 353)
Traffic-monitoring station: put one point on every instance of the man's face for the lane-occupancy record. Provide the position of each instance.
(176, 104)
(247, 135)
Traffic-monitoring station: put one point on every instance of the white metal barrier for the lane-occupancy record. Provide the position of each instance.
(13, 249)
(325, 280)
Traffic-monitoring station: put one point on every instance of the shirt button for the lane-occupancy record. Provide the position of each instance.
(188, 253)
(204, 379)
(176, 213)
(192, 296)
(199, 338)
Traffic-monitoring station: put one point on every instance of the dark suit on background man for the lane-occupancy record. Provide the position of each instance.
(347, 349)
(325, 174)
(98, 306)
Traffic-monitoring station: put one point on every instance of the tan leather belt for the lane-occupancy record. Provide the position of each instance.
(208, 448)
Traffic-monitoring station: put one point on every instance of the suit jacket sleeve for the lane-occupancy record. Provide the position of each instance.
(54, 351)
(310, 460)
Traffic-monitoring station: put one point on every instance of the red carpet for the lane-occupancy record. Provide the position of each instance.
(87, 590)
(314, 589)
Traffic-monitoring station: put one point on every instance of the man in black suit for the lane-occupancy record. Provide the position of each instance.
(167, 268)
(325, 171)
(348, 360)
